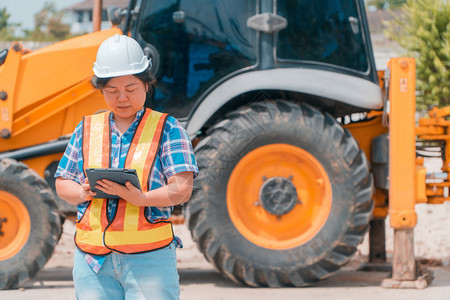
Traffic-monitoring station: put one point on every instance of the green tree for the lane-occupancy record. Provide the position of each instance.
(4, 16)
(48, 25)
(423, 29)
(385, 4)
(7, 29)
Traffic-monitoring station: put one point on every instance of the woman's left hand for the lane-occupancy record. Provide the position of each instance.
(127, 192)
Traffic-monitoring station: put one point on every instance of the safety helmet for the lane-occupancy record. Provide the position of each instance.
(120, 55)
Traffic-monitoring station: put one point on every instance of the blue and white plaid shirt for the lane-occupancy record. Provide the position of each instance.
(175, 156)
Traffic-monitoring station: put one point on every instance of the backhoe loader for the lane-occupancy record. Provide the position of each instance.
(300, 142)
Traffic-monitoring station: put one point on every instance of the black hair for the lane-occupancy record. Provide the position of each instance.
(145, 76)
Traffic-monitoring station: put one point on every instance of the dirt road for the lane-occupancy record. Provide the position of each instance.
(205, 283)
(200, 281)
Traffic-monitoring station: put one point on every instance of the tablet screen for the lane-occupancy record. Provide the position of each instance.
(120, 176)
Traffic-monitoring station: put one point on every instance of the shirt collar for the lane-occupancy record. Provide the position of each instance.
(132, 126)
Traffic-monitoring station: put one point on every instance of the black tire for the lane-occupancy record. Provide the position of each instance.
(302, 126)
(26, 185)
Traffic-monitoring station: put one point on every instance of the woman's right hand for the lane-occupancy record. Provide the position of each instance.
(88, 193)
(73, 192)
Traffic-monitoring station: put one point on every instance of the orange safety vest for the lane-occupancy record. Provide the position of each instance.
(129, 231)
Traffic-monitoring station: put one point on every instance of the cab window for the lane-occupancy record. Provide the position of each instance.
(322, 31)
(199, 43)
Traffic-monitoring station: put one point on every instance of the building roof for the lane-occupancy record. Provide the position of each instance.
(89, 4)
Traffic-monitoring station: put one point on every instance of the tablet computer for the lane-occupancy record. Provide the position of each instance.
(121, 176)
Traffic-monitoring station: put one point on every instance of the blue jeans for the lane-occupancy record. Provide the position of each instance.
(151, 275)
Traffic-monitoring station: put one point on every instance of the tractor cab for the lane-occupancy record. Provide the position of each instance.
(198, 45)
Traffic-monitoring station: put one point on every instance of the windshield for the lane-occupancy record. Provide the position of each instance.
(199, 43)
(324, 31)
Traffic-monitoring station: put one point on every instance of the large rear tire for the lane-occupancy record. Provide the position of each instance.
(30, 226)
(283, 198)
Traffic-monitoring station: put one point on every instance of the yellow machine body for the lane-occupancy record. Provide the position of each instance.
(39, 101)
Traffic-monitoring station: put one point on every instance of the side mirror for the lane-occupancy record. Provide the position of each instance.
(116, 14)
(155, 59)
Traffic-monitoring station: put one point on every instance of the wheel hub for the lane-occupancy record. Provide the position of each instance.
(278, 195)
(2, 220)
(15, 225)
(263, 192)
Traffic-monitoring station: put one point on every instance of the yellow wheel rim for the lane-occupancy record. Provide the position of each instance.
(15, 225)
(255, 219)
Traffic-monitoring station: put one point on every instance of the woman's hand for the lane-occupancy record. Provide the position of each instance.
(127, 192)
(72, 192)
(88, 194)
(177, 191)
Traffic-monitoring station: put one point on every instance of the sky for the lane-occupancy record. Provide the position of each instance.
(23, 11)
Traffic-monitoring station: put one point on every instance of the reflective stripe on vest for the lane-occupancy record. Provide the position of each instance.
(129, 231)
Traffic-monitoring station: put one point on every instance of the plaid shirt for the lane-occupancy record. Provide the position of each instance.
(175, 156)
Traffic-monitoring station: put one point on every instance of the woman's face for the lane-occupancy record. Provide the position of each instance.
(125, 96)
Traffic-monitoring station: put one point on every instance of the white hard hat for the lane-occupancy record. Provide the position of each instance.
(120, 55)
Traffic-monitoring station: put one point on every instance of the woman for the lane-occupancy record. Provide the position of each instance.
(126, 247)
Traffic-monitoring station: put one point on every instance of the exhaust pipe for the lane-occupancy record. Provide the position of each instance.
(97, 16)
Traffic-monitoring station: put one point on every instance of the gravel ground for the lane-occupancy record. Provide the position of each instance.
(198, 280)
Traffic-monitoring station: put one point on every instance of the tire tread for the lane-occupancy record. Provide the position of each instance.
(255, 115)
(29, 261)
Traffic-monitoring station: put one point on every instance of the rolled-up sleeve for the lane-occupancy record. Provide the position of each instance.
(177, 154)
(69, 165)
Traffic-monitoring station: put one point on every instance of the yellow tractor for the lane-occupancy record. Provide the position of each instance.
(300, 142)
